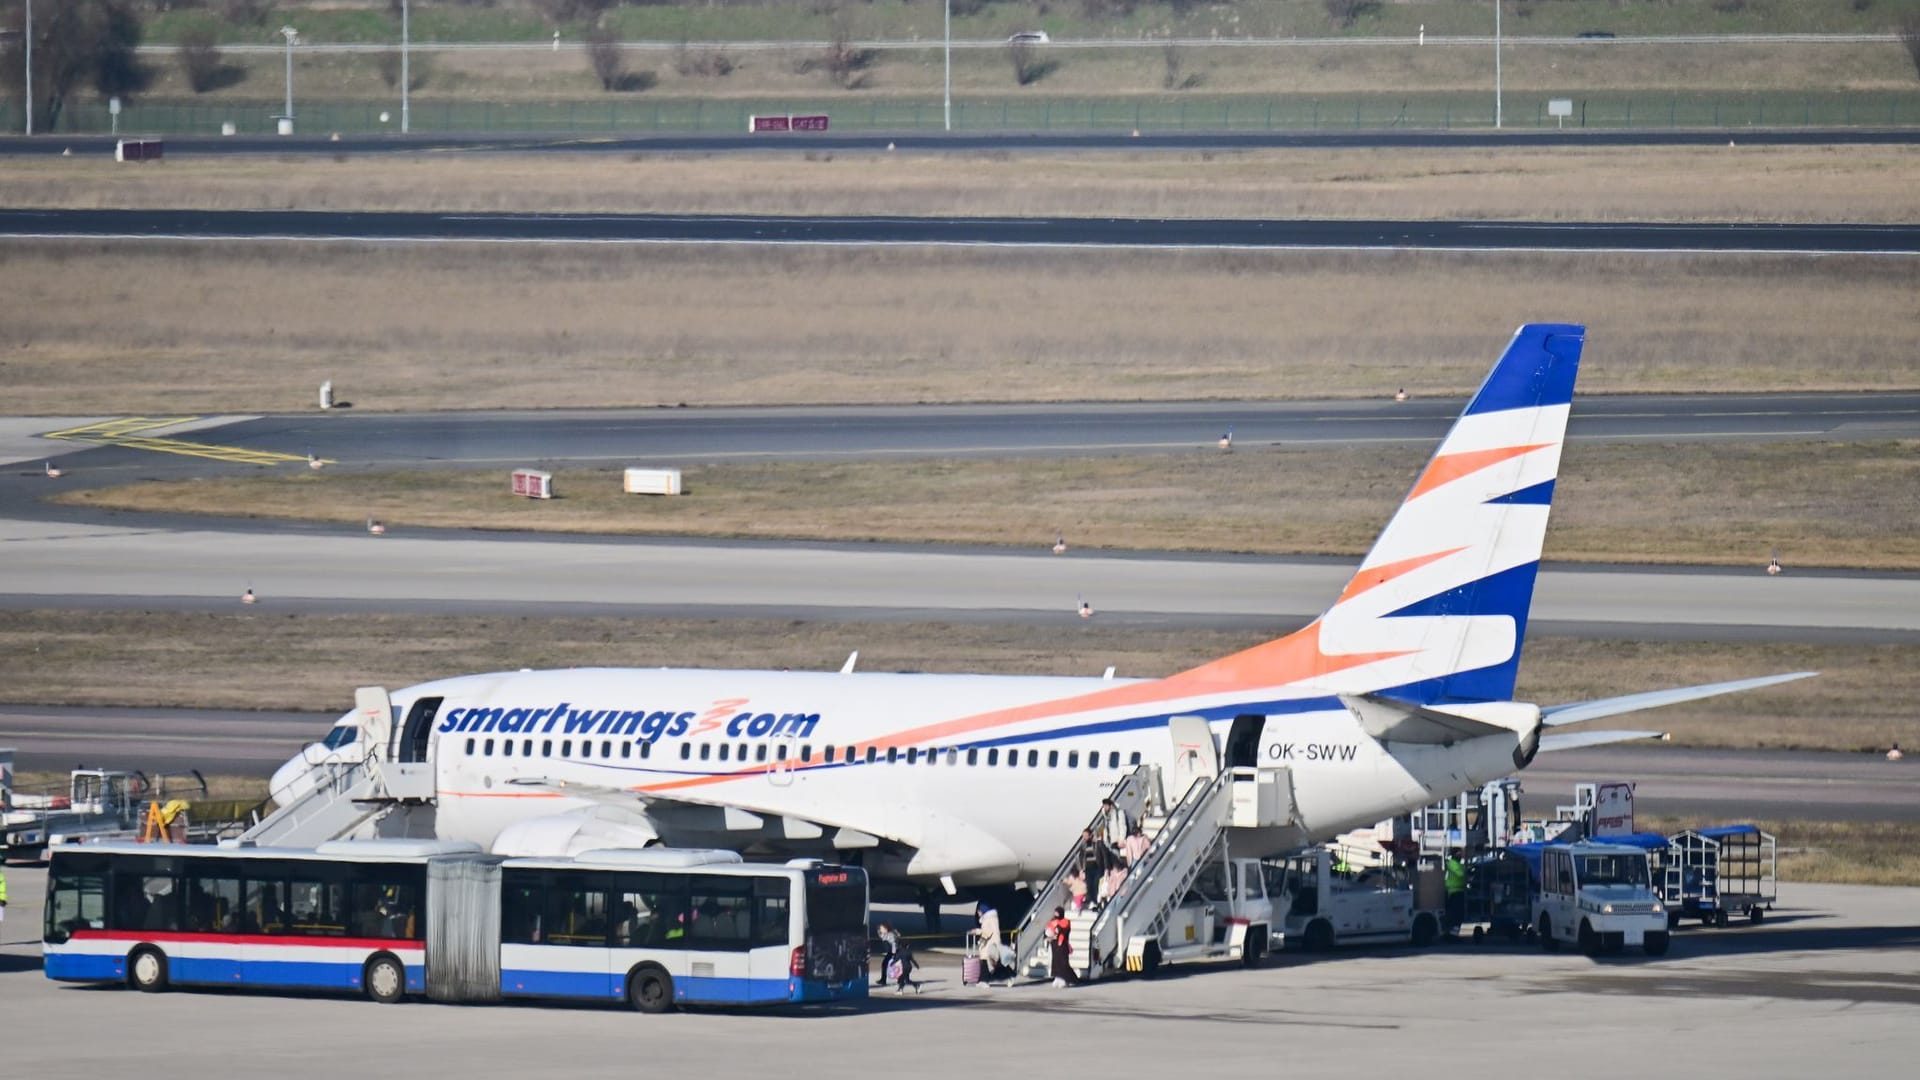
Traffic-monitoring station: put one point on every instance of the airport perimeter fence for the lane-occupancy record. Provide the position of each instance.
(636, 115)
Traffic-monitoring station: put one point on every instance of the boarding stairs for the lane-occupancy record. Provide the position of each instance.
(1138, 795)
(346, 797)
(1182, 842)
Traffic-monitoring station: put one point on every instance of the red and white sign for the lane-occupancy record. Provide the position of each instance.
(787, 123)
(533, 483)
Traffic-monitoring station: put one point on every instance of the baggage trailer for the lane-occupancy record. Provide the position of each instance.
(1713, 874)
(1499, 897)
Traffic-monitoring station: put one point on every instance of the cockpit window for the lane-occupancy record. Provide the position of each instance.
(341, 736)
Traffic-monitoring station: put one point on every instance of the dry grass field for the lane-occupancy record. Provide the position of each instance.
(1824, 183)
(1849, 852)
(1819, 504)
(261, 660)
(179, 327)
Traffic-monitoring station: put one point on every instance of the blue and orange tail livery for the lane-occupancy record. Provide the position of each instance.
(1437, 611)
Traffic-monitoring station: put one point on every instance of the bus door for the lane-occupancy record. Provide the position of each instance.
(835, 931)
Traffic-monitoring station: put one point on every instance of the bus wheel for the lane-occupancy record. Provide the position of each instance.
(147, 969)
(650, 990)
(1548, 942)
(385, 979)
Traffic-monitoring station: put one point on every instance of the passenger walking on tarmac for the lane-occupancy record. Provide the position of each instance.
(1456, 881)
(1059, 938)
(899, 963)
(989, 945)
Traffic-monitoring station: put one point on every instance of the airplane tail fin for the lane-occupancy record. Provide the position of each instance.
(1437, 611)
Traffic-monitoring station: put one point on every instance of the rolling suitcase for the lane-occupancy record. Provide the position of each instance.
(970, 971)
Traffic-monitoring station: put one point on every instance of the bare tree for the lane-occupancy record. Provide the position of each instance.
(1345, 13)
(1029, 64)
(846, 63)
(1909, 33)
(75, 44)
(609, 60)
(201, 62)
(419, 68)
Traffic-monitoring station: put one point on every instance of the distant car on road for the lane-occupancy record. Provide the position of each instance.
(1595, 34)
(1030, 37)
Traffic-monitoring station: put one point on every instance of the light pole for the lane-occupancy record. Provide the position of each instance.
(29, 67)
(290, 33)
(946, 103)
(405, 79)
(1498, 112)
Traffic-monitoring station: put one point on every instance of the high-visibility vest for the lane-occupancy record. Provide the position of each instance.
(1456, 876)
(3, 886)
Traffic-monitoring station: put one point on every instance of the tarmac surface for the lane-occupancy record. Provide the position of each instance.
(387, 226)
(1828, 985)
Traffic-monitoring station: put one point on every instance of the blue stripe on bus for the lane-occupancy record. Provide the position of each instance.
(85, 967)
(524, 982)
(214, 971)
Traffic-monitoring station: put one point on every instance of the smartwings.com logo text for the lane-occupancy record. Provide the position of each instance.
(726, 718)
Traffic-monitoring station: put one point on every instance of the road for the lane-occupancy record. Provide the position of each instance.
(1181, 233)
(964, 142)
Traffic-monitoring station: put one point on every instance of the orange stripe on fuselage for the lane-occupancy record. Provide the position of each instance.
(1281, 662)
(1452, 467)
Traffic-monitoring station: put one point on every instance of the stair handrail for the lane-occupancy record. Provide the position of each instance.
(340, 778)
(1203, 793)
(1133, 794)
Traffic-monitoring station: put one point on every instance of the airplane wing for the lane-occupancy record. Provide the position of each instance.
(1579, 711)
(1574, 740)
(711, 813)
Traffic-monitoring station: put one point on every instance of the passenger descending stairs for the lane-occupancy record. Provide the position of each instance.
(1182, 842)
(341, 802)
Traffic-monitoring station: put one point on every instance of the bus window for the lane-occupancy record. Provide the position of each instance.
(720, 913)
(772, 910)
(386, 909)
(213, 903)
(575, 914)
(265, 908)
(649, 911)
(520, 909)
(316, 906)
(145, 901)
(77, 899)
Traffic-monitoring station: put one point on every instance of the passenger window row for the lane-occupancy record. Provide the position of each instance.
(759, 753)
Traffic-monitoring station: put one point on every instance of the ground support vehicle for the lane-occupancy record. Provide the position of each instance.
(96, 802)
(1714, 874)
(1598, 897)
(1325, 903)
(1225, 915)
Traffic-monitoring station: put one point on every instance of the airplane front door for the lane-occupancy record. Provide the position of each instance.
(1195, 755)
(417, 733)
(1243, 742)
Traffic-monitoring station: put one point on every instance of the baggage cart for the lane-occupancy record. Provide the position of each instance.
(1716, 873)
(1499, 897)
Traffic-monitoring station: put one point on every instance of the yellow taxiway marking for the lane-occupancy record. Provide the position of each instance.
(125, 431)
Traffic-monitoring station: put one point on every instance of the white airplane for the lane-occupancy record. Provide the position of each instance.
(1398, 696)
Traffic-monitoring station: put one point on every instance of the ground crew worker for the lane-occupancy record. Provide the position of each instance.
(3, 893)
(1456, 878)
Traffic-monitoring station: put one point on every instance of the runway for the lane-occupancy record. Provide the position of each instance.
(700, 435)
(1113, 233)
(923, 142)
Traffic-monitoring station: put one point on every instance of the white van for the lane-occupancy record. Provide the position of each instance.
(1598, 897)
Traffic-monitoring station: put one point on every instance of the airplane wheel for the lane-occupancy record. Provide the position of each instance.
(147, 969)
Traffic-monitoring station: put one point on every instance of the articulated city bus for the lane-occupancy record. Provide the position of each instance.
(391, 918)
